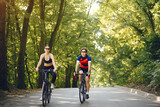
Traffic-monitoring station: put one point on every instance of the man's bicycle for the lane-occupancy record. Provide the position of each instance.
(82, 87)
(46, 88)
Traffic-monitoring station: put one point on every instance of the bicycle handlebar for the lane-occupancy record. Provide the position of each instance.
(81, 74)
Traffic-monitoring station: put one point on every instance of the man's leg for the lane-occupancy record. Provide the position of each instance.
(80, 76)
(88, 85)
(87, 82)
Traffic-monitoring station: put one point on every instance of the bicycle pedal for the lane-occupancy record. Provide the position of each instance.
(87, 96)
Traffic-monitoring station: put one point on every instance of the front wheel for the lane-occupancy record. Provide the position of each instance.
(49, 94)
(85, 90)
(81, 92)
(44, 96)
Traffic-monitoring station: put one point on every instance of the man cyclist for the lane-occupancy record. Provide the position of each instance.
(49, 63)
(85, 67)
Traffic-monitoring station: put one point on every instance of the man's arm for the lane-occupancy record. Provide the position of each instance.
(77, 64)
(89, 66)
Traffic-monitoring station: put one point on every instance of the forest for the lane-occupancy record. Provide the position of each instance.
(122, 38)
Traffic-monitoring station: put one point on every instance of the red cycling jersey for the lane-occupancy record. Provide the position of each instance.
(84, 61)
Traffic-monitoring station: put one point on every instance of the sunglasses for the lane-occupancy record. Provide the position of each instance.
(47, 48)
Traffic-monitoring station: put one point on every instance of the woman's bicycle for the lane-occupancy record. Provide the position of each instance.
(46, 88)
(82, 87)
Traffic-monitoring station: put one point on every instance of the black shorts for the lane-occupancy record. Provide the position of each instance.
(48, 67)
(85, 70)
(51, 72)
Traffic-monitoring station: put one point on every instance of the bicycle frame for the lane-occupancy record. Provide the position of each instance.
(46, 90)
(82, 88)
(84, 82)
(45, 78)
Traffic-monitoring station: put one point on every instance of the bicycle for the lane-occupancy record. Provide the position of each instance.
(82, 88)
(46, 90)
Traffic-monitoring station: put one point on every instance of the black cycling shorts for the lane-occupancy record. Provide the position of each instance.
(85, 70)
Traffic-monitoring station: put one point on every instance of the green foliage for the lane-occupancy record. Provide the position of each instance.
(131, 41)
(122, 37)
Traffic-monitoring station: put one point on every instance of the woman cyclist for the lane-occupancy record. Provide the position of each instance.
(49, 63)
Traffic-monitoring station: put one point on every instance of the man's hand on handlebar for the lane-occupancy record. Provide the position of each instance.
(88, 73)
(75, 73)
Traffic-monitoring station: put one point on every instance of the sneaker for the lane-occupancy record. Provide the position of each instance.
(87, 96)
(52, 86)
(41, 99)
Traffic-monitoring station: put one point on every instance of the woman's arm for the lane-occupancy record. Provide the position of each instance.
(53, 61)
(40, 62)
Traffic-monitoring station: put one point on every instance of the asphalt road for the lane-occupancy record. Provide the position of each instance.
(99, 97)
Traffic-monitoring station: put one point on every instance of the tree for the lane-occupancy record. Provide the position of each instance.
(23, 40)
(3, 48)
(54, 33)
(42, 41)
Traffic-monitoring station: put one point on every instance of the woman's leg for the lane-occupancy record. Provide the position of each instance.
(53, 77)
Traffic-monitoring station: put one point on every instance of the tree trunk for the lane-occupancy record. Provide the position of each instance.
(109, 79)
(8, 22)
(16, 17)
(68, 76)
(3, 48)
(54, 33)
(23, 40)
(29, 78)
(74, 82)
(42, 42)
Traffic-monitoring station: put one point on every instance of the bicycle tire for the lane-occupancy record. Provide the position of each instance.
(44, 96)
(81, 95)
(49, 95)
(85, 89)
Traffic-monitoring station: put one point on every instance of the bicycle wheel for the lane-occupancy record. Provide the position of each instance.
(44, 96)
(85, 90)
(81, 92)
(49, 94)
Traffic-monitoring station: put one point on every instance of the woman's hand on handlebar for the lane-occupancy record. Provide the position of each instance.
(36, 69)
(55, 70)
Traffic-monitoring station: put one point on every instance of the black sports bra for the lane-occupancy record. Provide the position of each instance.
(49, 61)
